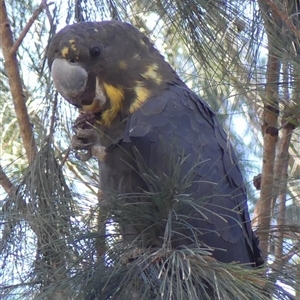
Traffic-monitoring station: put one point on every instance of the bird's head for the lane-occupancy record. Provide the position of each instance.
(107, 68)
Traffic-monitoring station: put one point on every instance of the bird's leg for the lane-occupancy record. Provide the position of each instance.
(86, 138)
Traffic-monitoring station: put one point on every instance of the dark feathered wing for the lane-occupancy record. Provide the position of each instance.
(177, 128)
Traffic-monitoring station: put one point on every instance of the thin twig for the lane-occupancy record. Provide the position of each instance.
(64, 159)
(284, 17)
(293, 251)
(53, 118)
(35, 14)
(5, 182)
(49, 14)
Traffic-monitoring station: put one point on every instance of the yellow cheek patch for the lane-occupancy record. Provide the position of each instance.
(64, 51)
(116, 96)
(142, 94)
(72, 43)
(94, 107)
(123, 65)
(153, 74)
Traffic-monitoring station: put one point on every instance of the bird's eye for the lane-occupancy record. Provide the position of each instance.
(95, 51)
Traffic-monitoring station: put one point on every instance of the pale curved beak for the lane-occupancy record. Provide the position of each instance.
(70, 80)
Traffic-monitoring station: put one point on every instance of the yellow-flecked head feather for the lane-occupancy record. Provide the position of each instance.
(123, 68)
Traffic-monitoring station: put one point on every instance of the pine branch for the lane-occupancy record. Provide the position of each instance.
(6, 183)
(15, 83)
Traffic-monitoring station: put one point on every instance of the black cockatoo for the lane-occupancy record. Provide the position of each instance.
(156, 136)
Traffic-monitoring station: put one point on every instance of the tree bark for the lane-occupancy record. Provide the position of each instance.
(270, 136)
(15, 83)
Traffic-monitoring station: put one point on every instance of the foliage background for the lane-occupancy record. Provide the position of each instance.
(240, 56)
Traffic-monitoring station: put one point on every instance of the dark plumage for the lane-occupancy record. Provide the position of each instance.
(150, 122)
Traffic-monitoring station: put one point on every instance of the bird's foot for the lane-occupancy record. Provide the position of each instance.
(86, 140)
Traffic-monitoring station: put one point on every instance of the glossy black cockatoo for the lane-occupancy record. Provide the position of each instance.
(158, 138)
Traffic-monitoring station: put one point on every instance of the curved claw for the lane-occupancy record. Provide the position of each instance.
(84, 155)
(84, 138)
